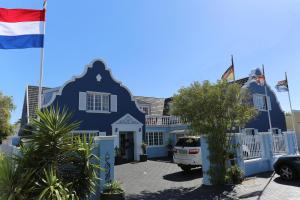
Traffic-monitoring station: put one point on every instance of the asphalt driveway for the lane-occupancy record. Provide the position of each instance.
(160, 179)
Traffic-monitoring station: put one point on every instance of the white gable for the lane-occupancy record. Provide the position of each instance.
(127, 119)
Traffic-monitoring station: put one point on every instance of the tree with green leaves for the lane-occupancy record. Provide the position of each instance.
(54, 165)
(214, 110)
(6, 107)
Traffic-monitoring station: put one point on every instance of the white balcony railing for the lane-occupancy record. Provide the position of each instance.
(160, 120)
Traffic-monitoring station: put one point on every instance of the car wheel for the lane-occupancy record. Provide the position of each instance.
(186, 168)
(286, 173)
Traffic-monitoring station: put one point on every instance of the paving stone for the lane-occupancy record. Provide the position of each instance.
(163, 180)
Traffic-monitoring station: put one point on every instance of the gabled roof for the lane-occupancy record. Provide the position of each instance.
(157, 104)
(242, 81)
(30, 103)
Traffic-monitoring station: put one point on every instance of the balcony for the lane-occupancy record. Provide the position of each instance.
(160, 120)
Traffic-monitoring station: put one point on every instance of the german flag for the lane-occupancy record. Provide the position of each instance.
(229, 74)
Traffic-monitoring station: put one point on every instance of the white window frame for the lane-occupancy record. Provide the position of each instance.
(266, 100)
(94, 102)
(160, 137)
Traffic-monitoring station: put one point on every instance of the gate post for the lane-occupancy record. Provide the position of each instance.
(291, 143)
(205, 161)
(267, 153)
(105, 151)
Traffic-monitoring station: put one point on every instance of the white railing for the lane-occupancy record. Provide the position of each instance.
(251, 146)
(279, 146)
(161, 120)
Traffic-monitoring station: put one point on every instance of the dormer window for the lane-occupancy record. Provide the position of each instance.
(145, 109)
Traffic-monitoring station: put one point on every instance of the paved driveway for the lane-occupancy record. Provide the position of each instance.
(162, 180)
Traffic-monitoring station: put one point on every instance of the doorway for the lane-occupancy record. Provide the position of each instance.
(127, 146)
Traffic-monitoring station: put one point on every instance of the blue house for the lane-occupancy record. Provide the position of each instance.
(264, 101)
(105, 107)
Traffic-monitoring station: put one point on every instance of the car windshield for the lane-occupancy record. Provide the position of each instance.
(188, 142)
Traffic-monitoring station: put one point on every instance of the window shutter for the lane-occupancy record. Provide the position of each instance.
(82, 101)
(255, 101)
(113, 103)
(269, 103)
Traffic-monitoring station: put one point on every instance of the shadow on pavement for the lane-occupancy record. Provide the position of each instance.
(252, 194)
(182, 176)
(291, 183)
(203, 193)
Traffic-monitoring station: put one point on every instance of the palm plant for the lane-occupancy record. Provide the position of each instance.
(84, 167)
(51, 138)
(53, 165)
(52, 187)
(14, 184)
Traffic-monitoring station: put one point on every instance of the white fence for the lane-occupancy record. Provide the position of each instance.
(279, 146)
(9, 149)
(251, 146)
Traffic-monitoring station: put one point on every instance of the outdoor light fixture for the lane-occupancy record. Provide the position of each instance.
(116, 129)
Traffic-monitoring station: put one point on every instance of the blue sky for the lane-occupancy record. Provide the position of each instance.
(155, 47)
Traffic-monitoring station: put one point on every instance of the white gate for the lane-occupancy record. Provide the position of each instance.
(251, 146)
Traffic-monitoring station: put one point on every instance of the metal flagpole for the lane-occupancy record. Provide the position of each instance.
(267, 102)
(293, 117)
(42, 63)
(232, 64)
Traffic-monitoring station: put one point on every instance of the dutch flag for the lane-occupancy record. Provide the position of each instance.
(21, 28)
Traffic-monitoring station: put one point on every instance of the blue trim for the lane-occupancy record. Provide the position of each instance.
(21, 41)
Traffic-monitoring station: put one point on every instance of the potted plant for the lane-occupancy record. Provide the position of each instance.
(234, 175)
(170, 148)
(144, 156)
(113, 191)
(118, 156)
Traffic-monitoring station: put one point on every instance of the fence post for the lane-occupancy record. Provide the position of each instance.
(105, 151)
(290, 143)
(205, 161)
(239, 151)
(267, 153)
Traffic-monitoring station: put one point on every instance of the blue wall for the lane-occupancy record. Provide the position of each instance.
(162, 151)
(97, 121)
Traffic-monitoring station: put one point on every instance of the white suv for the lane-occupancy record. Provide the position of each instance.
(187, 153)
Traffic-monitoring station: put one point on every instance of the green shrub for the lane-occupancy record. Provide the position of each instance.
(144, 148)
(234, 175)
(113, 187)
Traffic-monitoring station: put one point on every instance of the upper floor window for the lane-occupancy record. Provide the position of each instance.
(97, 101)
(145, 109)
(261, 102)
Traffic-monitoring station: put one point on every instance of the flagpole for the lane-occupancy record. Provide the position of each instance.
(233, 68)
(267, 102)
(293, 117)
(42, 63)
